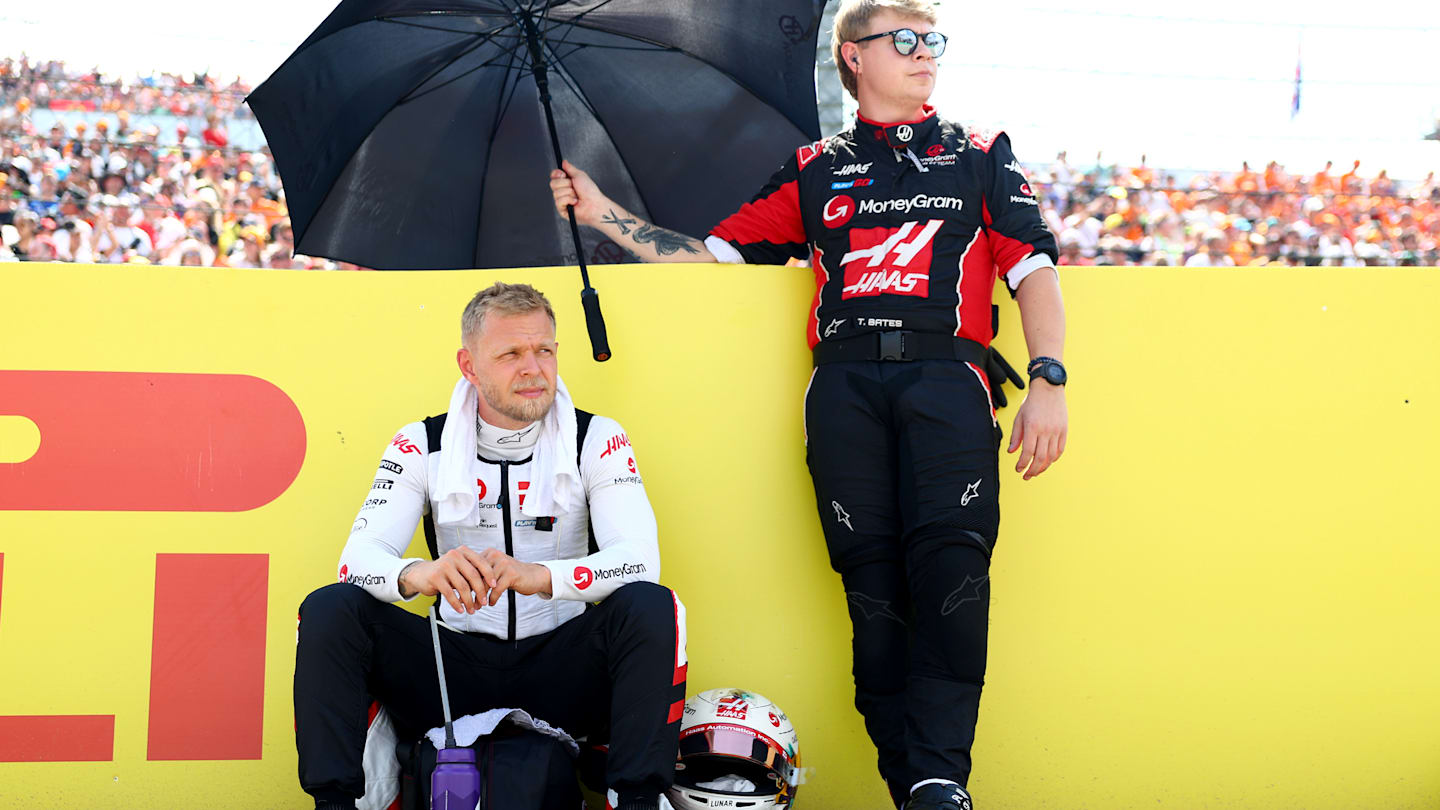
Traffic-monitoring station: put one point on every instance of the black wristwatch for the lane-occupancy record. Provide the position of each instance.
(1048, 369)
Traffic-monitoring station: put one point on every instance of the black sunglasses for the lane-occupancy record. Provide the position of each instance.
(906, 39)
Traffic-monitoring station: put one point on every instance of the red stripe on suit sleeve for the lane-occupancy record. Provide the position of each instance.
(1008, 251)
(774, 218)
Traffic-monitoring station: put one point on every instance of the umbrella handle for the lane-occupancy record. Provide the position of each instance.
(589, 299)
(595, 324)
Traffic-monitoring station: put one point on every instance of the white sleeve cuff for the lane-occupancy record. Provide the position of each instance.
(560, 585)
(723, 251)
(1026, 266)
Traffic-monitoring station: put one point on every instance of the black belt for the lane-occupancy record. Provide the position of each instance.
(900, 347)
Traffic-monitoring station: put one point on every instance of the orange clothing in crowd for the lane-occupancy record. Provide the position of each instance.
(270, 209)
(1273, 179)
(1350, 181)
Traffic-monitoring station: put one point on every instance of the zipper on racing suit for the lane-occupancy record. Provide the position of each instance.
(509, 539)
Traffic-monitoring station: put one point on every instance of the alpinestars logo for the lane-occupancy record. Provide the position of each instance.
(834, 327)
(889, 260)
(515, 438)
(841, 516)
(972, 491)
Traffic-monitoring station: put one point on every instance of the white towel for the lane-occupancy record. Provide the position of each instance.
(472, 727)
(729, 784)
(555, 486)
(456, 496)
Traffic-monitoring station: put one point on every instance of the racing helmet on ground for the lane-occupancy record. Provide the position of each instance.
(730, 737)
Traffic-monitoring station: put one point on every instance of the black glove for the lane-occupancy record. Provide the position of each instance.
(997, 369)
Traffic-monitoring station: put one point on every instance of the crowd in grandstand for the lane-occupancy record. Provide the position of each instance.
(115, 193)
(1138, 215)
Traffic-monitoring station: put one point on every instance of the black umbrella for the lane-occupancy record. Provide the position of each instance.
(412, 134)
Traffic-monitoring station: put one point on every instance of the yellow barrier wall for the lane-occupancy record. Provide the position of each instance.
(1225, 595)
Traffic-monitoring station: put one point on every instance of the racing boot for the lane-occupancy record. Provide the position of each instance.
(939, 795)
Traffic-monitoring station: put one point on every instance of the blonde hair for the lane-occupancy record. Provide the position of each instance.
(506, 299)
(852, 21)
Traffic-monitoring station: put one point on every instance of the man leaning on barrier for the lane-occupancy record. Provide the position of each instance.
(525, 537)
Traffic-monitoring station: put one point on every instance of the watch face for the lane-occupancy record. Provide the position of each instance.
(1054, 374)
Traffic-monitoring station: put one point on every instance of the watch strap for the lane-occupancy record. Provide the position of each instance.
(1032, 370)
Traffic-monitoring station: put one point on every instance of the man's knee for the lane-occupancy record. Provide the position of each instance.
(949, 531)
(334, 601)
(642, 598)
(649, 608)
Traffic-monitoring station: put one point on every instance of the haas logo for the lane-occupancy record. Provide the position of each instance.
(838, 210)
(583, 577)
(733, 707)
(889, 260)
(405, 445)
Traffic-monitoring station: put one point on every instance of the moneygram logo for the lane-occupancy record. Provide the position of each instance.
(584, 577)
(360, 579)
(908, 204)
(838, 210)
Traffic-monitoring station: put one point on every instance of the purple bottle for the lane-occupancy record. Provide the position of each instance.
(455, 782)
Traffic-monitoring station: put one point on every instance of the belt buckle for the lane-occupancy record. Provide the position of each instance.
(892, 346)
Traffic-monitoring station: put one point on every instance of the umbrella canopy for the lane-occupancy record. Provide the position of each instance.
(410, 134)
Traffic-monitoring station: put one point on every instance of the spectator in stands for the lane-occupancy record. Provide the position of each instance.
(1216, 252)
(115, 239)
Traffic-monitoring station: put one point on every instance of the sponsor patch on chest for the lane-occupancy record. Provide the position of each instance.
(894, 261)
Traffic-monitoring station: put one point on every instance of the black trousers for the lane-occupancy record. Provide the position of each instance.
(610, 671)
(905, 461)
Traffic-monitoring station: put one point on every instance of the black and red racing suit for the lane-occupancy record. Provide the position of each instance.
(907, 226)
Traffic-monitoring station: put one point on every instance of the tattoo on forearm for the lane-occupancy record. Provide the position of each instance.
(666, 242)
(614, 219)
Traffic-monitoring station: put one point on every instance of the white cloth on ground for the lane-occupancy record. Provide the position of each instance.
(732, 783)
(472, 727)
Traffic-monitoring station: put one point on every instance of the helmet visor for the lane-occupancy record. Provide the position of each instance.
(706, 748)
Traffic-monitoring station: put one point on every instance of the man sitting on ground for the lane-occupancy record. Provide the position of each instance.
(523, 538)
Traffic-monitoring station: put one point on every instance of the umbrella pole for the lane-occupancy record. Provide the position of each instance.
(589, 298)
